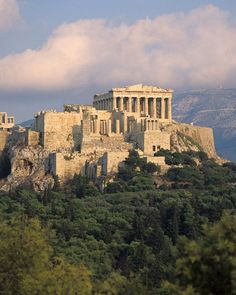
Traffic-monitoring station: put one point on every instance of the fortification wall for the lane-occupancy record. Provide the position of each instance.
(59, 130)
(32, 137)
(203, 136)
(65, 166)
(151, 141)
(17, 137)
(158, 161)
(3, 139)
(111, 161)
(103, 143)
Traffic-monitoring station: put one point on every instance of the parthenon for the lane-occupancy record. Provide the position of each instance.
(143, 100)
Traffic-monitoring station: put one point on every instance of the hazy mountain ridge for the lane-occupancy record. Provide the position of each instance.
(215, 108)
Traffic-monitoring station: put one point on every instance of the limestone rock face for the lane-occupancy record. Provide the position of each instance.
(185, 137)
(182, 144)
(29, 166)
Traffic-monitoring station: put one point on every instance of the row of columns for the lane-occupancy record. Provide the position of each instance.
(154, 107)
(103, 127)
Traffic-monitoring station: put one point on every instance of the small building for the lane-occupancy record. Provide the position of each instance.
(6, 122)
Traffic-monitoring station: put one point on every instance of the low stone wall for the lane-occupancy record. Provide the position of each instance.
(65, 166)
(103, 143)
(111, 161)
(158, 161)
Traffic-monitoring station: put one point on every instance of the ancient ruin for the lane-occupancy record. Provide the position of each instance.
(95, 140)
(6, 122)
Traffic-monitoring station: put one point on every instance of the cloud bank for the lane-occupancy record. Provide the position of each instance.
(9, 14)
(196, 49)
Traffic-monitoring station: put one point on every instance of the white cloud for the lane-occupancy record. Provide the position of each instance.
(175, 50)
(9, 14)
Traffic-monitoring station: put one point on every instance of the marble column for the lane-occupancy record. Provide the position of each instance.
(114, 99)
(96, 126)
(154, 107)
(121, 106)
(118, 126)
(104, 127)
(146, 106)
(137, 109)
(129, 104)
(162, 108)
(109, 127)
(169, 109)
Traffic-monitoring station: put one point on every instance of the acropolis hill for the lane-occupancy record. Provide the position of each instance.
(95, 139)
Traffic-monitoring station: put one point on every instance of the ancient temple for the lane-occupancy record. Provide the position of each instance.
(151, 101)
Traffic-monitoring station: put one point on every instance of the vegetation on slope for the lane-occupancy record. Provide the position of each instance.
(138, 237)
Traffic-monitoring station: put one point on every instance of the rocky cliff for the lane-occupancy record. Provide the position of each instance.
(29, 166)
(189, 137)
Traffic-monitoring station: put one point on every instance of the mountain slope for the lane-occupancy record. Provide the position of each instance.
(215, 108)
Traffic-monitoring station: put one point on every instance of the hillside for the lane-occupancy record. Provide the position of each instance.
(130, 239)
(215, 108)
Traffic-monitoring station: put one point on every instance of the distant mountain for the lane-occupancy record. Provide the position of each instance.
(215, 108)
(27, 123)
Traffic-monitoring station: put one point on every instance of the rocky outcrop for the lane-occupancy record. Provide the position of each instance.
(29, 166)
(186, 137)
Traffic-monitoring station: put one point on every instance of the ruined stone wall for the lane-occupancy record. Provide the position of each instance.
(3, 139)
(111, 161)
(158, 161)
(32, 137)
(103, 143)
(59, 130)
(65, 166)
(147, 140)
(17, 137)
(202, 136)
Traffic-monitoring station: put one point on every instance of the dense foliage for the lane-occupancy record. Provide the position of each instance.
(143, 235)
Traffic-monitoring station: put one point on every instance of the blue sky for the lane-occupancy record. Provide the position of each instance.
(57, 51)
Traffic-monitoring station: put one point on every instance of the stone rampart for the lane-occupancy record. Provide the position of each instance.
(3, 139)
(32, 137)
(59, 130)
(151, 141)
(65, 166)
(103, 143)
(111, 161)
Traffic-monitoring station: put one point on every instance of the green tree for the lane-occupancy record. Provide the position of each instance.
(27, 265)
(208, 265)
